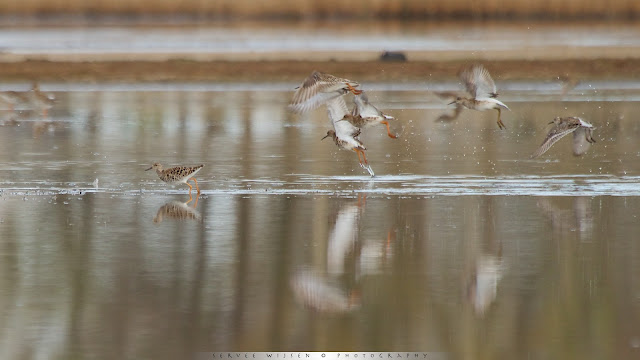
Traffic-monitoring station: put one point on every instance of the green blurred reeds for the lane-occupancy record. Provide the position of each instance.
(304, 9)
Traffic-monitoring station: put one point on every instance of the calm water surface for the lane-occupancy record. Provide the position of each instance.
(460, 244)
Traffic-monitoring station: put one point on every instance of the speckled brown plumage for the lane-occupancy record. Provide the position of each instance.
(177, 174)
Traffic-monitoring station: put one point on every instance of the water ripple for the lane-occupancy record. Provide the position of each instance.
(407, 185)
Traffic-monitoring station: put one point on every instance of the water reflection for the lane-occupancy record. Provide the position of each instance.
(485, 266)
(321, 293)
(458, 248)
(577, 220)
(482, 287)
(178, 210)
(32, 100)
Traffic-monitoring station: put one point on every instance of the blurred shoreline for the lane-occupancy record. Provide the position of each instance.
(288, 70)
(43, 50)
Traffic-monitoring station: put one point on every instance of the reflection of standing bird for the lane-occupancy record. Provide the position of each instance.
(365, 114)
(480, 85)
(318, 88)
(178, 174)
(563, 126)
(177, 210)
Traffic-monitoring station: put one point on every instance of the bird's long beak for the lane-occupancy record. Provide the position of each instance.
(550, 122)
(149, 168)
(451, 103)
(326, 136)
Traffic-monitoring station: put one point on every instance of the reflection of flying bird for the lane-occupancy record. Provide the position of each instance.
(483, 285)
(366, 115)
(447, 117)
(343, 237)
(319, 88)
(563, 126)
(178, 174)
(12, 98)
(178, 210)
(33, 99)
(344, 134)
(480, 85)
(320, 295)
(38, 100)
(580, 217)
(568, 83)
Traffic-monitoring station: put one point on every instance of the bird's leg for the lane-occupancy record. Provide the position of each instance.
(362, 199)
(388, 130)
(45, 111)
(190, 188)
(500, 124)
(359, 159)
(196, 182)
(195, 204)
(354, 297)
(364, 157)
(354, 90)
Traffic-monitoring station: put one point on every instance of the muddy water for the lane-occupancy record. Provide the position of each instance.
(460, 244)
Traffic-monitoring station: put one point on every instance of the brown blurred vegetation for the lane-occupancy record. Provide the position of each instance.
(305, 9)
(178, 70)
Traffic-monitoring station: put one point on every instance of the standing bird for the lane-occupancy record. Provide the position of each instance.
(319, 88)
(480, 85)
(344, 134)
(178, 174)
(563, 126)
(366, 115)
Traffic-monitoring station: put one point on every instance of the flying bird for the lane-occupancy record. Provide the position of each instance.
(319, 88)
(480, 85)
(581, 130)
(365, 114)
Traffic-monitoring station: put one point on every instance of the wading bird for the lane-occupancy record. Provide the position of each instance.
(177, 175)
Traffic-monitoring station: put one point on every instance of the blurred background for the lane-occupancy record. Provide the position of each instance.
(191, 10)
(461, 243)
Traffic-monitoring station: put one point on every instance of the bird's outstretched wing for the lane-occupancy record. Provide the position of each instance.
(317, 89)
(337, 110)
(556, 133)
(478, 81)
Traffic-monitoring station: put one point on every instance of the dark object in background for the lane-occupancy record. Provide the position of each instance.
(393, 56)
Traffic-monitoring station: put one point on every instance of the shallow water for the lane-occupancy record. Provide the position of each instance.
(460, 244)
